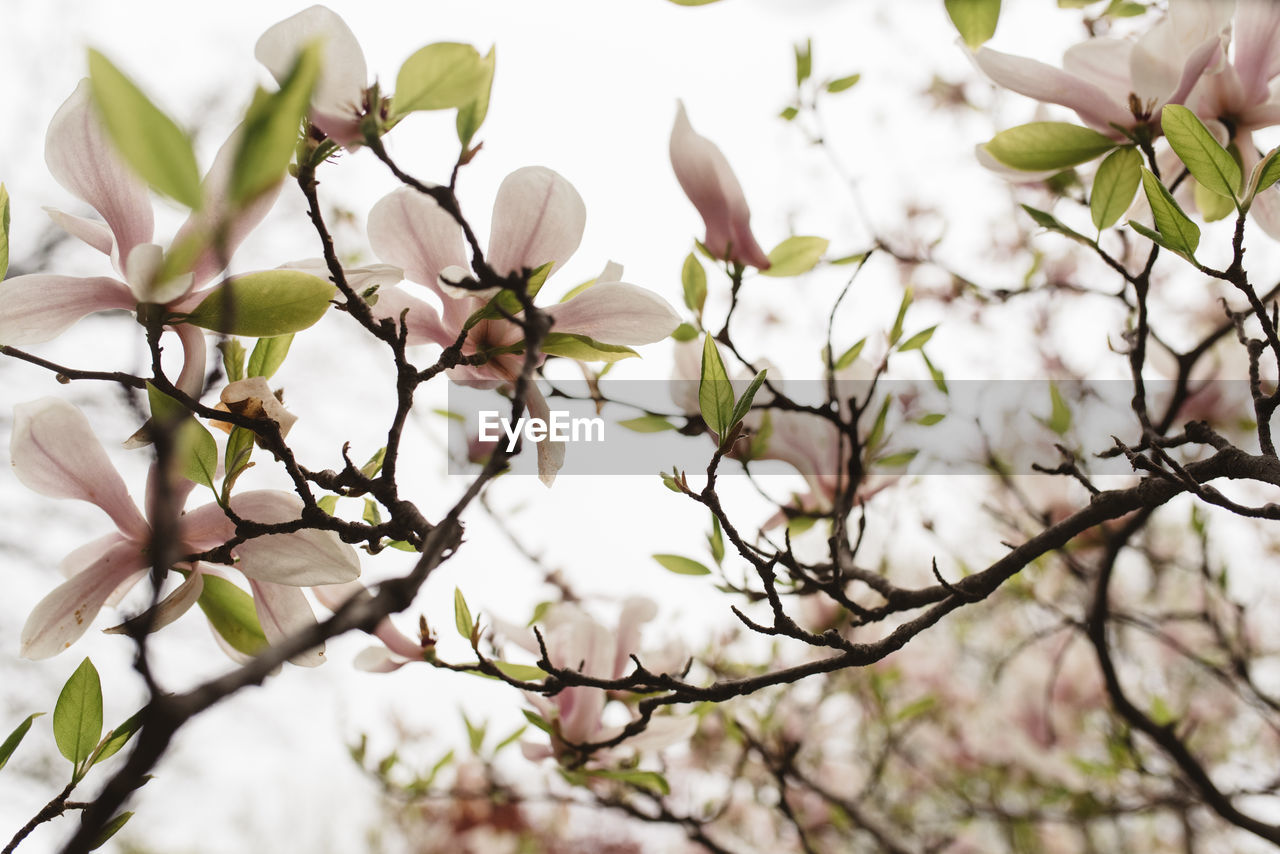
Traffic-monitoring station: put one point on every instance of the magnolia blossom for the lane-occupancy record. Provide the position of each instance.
(538, 218)
(55, 453)
(707, 179)
(338, 102)
(252, 397)
(397, 648)
(38, 307)
(575, 641)
(1116, 83)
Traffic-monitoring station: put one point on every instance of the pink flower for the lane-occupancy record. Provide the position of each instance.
(55, 453)
(397, 648)
(1123, 83)
(338, 103)
(38, 307)
(538, 218)
(709, 182)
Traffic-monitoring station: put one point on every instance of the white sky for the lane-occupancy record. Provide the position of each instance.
(585, 87)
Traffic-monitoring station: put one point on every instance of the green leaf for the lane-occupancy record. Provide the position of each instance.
(475, 734)
(915, 342)
(462, 615)
(1041, 146)
(804, 61)
(715, 393)
(1212, 206)
(327, 503)
(694, 281)
(536, 719)
(651, 780)
(236, 457)
(898, 460)
(77, 717)
(930, 419)
(1177, 231)
(647, 424)
(939, 381)
(118, 738)
(194, 448)
(573, 346)
(231, 613)
(521, 672)
(1267, 170)
(842, 83)
(268, 355)
(975, 20)
(788, 113)
(1114, 185)
(1059, 413)
(150, 142)
(232, 359)
(681, 565)
(4, 231)
(15, 738)
(851, 355)
(441, 76)
(1046, 220)
(506, 301)
(1204, 158)
(716, 541)
(684, 332)
(471, 116)
(795, 255)
(743, 406)
(371, 514)
(896, 332)
(264, 305)
(110, 829)
(271, 129)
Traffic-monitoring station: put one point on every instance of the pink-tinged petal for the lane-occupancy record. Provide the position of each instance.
(205, 528)
(284, 611)
(237, 223)
(339, 93)
(82, 159)
(300, 559)
(636, 611)
(334, 596)
(535, 752)
(376, 659)
(38, 307)
(55, 452)
(65, 614)
(579, 713)
(550, 454)
(707, 179)
(194, 357)
(537, 217)
(616, 313)
(1054, 86)
(422, 324)
(663, 732)
(1257, 45)
(1198, 64)
(89, 231)
(1261, 116)
(408, 229)
(179, 601)
(1104, 62)
(84, 556)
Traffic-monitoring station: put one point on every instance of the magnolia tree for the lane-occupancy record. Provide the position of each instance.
(1025, 613)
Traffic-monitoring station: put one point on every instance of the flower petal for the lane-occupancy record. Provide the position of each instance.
(65, 614)
(422, 324)
(408, 229)
(707, 179)
(90, 231)
(537, 217)
(55, 452)
(376, 659)
(299, 559)
(550, 453)
(82, 159)
(38, 307)
(1054, 86)
(283, 611)
(339, 93)
(616, 313)
(171, 607)
(1257, 37)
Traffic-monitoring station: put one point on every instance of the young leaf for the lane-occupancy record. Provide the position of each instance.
(264, 305)
(77, 717)
(1048, 221)
(15, 738)
(651, 780)
(441, 76)
(694, 281)
(4, 231)
(1059, 420)
(573, 346)
(149, 141)
(743, 406)
(109, 830)
(118, 738)
(1177, 231)
(462, 615)
(716, 541)
(896, 332)
(522, 672)
(975, 20)
(684, 332)
(851, 355)
(1212, 206)
(804, 61)
(715, 393)
(647, 424)
(1114, 185)
(681, 565)
(915, 342)
(472, 115)
(194, 448)
(1267, 172)
(1040, 146)
(271, 128)
(231, 613)
(232, 359)
(1204, 158)
(796, 255)
(842, 83)
(268, 355)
